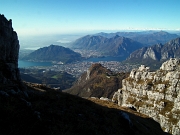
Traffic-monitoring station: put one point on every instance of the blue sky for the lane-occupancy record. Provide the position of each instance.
(33, 17)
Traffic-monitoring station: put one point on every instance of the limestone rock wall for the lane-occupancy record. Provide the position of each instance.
(156, 94)
(9, 51)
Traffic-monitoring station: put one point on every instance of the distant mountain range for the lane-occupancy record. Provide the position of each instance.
(119, 44)
(53, 53)
(146, 37)
(156, 54)
(115, 46)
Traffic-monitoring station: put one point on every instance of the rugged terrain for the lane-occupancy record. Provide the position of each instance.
(153, 56)
(28, 109)
(40, 110)
(98, 81)
(156, 94)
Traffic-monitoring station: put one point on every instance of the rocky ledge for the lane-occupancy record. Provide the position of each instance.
(156, 94)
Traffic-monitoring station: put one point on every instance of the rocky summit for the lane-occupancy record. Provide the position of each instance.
(9, 51)
(156, 94)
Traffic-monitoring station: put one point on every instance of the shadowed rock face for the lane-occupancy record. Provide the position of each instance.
(9, 51)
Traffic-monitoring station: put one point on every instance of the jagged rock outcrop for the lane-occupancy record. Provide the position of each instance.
(9, 50)
(155, 55)
(156, 94)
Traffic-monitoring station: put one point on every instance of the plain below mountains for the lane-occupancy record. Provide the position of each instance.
(53, 53)
(115, 46)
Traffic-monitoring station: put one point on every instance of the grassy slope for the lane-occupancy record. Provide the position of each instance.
(56, 113)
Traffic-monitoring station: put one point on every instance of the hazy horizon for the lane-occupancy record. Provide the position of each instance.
(39, 41)
(38, 18)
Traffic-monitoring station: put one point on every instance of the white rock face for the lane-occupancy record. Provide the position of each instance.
(170, 65)
(88, 75)
(156, 94)
(150, 54)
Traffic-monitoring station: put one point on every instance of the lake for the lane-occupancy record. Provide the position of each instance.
(23, 64)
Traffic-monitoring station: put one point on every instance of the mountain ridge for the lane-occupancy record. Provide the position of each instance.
(157, 53)
(53, 53)
(155, 94)
(115, 46)
(147, 38)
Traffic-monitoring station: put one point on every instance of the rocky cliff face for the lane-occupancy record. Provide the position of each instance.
(9, 50)
(156, 94)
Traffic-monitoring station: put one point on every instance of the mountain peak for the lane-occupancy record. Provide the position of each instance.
(174, 41)
(97, 68)
(117, 36)
(156, 54)
(53, 53)
(107, 46)
(161, 33)
(97, 81)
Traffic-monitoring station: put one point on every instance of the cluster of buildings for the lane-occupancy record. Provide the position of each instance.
(78, 68)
